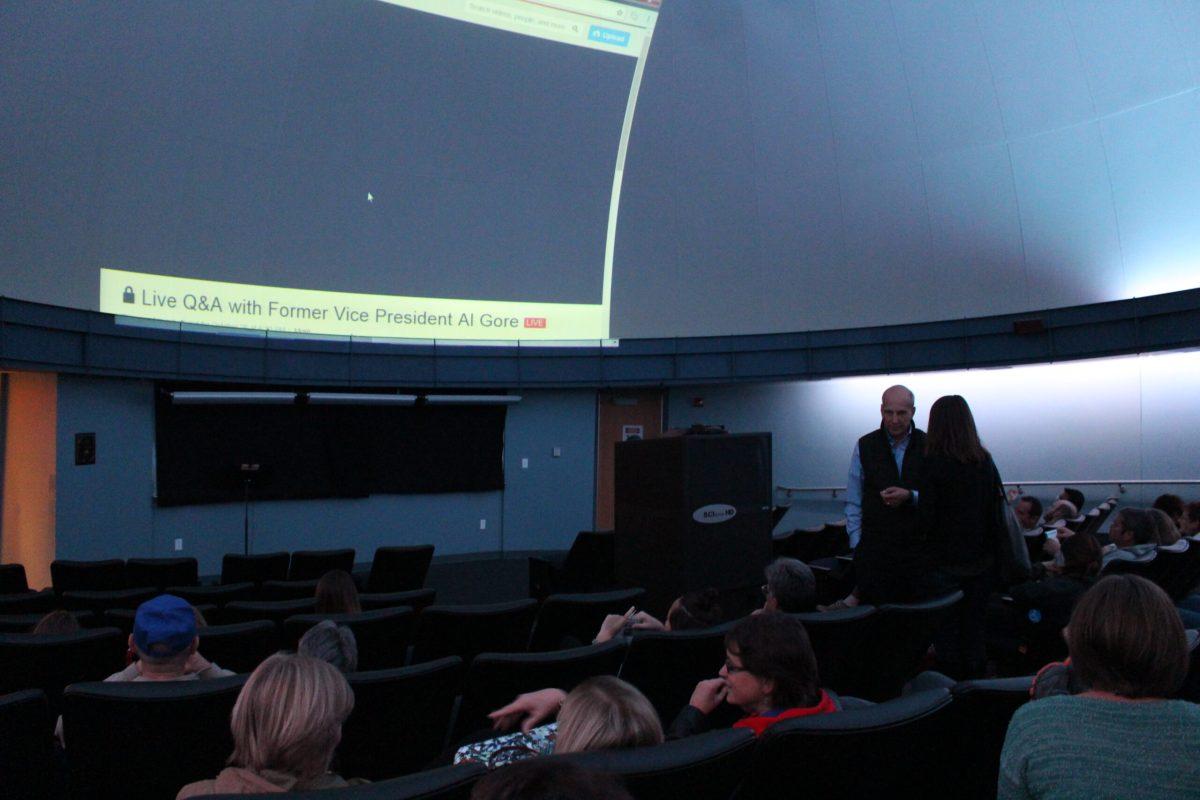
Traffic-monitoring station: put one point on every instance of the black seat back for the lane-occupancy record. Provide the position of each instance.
(288, 590)
(667, 665)
(162, 572)
(468, 630)
(310, 565)
(99, 600)
(1178, 573)
(87, 576)
(238, 568)
(241, 646)
(51, 662)
(217, 596)
(893, 651)
(837, 637)
(877, 751)
(979, 716)
(444, 783)
(399, 569)
(494, 679)
(24, 623)
(146, 739)
(400, 720)
(416, 599)
(704, 767)
(12, 579)
(570, 620)
(30, 602)
(275, 610)
(382, 636)
(27, 757)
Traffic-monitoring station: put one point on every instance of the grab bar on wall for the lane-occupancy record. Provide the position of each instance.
(788, 491)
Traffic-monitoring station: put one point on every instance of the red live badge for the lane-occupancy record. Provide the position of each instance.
(535, 322)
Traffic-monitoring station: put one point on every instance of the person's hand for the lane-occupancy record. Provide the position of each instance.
(895, 496)
(612, 625)
(708, 695)
(529, 709)
(196, 663)
(646, 622)
(1051, 546)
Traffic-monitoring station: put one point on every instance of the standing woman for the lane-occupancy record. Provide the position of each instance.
(957, 520)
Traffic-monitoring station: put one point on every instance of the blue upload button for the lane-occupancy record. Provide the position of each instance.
(608, 36)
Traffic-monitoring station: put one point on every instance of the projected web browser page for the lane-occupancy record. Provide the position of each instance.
(452, 171)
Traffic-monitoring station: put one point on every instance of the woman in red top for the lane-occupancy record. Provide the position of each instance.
(770, 672)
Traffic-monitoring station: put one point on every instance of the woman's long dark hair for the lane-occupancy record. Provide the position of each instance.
(952, 431)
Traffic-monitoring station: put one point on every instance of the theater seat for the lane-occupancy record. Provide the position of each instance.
(146, 739)
(98, 601)
(239, 647)
(238, 568)
(87, 576)
(416, 599)
(704, 767)
(30, 602)
(570, 620)
(275, 610)
(587, 567)
(161, 572)
(12, 579)
(400, 721)
(494, 679)
(892, 749)
(399, 569)
(27, 755)
(467, 630)
(837, 636)
(446, 783)
(24, 623)
(310, 565)
(288, 590)
(52, 662)
(218, 595)
(667, 665)
(382, 636)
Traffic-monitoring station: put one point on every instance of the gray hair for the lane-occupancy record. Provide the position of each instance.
(792, 583)
(332, 643)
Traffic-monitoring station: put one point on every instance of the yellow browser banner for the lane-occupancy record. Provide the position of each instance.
(310, 311)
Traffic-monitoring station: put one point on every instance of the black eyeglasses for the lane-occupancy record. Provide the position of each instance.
(732, 668)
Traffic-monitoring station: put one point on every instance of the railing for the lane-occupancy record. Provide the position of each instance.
(1121, 485)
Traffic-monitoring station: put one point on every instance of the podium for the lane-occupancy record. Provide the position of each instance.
(692, 511)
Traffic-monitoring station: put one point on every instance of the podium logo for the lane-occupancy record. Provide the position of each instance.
(712, 514)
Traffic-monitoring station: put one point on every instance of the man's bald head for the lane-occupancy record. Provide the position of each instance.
(897, 410)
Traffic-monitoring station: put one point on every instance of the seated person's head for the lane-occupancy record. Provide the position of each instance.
(1081, 555)
(332, 643)
(1075, 497)
(1061, 509)
(337, 594)
(694, 610)
(1171, 504)
(769, 664)
(288, 717)
(164, 634)
(1125, 637)
(1165, 531)
(604, 713)
(1028, 511)
(548, 779)
(1132, 526)
(791, 586)
(1189, 523)
(56, 622)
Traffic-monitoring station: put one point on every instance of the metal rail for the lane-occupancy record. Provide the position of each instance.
(1120, 484)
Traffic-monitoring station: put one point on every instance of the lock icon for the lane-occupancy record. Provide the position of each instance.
(128, 295)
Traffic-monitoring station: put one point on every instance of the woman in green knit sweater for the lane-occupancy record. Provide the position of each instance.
(1121, 737)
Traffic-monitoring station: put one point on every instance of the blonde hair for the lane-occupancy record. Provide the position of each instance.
(606, 712)
(288, 717)
(1165, 529)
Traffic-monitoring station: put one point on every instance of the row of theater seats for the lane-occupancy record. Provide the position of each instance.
(127, 740)
(393, 569)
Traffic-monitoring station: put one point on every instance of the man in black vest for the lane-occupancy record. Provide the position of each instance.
(891, 562)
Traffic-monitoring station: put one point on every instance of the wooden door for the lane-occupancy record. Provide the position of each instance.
(621, 415)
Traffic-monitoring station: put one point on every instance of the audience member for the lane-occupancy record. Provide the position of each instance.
(1189, 523)
(165, 643)
(1166, 534)
(286, 723)
(548, 779)
(691, 611)
(1132, 537)
(770, 672)
(1028, 511)
(337, 594)
(1061, 509)
(332, 643)
(1171, 504)
(1119, 737)
(791, 586)
(1074, 497)
(57, 621)
(1056, 588)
